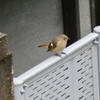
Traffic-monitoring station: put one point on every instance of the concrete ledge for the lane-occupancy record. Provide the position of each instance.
(3, 46)
(6, 82)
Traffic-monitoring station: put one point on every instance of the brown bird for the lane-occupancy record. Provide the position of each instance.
(57, 44)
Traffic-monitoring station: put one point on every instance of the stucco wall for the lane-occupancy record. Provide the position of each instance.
(85, 17)
(28, 24)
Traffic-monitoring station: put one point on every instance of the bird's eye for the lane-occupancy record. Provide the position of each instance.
(64, 38)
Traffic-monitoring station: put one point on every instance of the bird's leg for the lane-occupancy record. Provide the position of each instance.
(58, 55)
(64, 53)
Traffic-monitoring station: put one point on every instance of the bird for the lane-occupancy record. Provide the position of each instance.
(57, 45)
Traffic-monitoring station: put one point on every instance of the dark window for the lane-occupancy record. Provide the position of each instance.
(95, 13)
(97, 3)
(71, 19)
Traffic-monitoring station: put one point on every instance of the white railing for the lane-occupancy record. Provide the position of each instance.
(72, 77)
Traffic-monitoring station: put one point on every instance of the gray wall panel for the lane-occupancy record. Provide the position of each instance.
(28, 24)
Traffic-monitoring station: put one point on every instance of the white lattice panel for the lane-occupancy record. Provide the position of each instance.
(72, 77)
(84, 76)
(54, 85)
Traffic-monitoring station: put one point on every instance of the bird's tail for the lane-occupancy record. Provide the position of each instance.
(44, 45)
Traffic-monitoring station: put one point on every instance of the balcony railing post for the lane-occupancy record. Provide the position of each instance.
(97, 30)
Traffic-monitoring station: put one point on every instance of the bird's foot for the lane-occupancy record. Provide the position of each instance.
(58, 55)
(64, 53)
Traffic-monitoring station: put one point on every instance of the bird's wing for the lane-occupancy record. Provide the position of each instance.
(52, 45)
